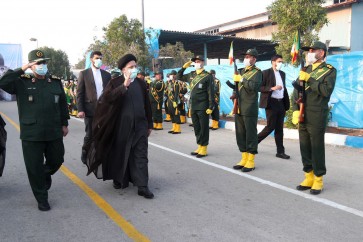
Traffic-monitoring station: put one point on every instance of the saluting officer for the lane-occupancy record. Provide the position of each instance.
(249, 80)
(320, 81)
(217, 93)
(43, 117)
(156, 94)
(201, 99)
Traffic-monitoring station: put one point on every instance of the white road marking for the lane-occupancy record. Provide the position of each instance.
(268, 183)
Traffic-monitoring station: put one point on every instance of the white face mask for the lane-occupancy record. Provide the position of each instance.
(171, 77)
(41, 69)
(133, 73)
(197, 66)
(278, 65)
(312, 58)
(98, 63)
(246, 62)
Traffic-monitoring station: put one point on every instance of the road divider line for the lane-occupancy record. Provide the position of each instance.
(127, 227)
(266, 182)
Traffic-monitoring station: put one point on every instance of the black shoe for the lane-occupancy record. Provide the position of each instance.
(167, 120)
(43, 206)
(48, 181)
(302, 188)
(315, 192)
(170, 132)
(200, 156)
(116, 185)
(245, 169)
(194, 153)
(145, 192)
(282, 156)
(191, 125)
(214, 128)
(237, 167)
(176, 133)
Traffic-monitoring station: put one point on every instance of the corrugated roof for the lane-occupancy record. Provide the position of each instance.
(217, 45)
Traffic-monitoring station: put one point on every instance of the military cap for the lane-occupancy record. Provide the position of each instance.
(317, 45)
(173, 72)
(37, 56)
(198, 57)
(212, 72)
(122, 62)
(158, 73)
(252, 52)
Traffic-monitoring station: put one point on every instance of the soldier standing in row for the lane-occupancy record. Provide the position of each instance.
(156, 94)
(320, 81)
(249, 80)
(183, 87)
(217, 94)
(201, 99)
(43, 117)
(168, 117)
(173, 101)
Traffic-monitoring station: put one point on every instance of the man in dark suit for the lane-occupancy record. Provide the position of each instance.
(90, 86)
(275, 100)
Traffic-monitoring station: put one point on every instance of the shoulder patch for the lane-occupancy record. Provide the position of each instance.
(329, 66)
(53, 77)
(27, 76)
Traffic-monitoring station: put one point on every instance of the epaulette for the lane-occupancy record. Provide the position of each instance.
(27, 76)
(329, 66)
(53, 77)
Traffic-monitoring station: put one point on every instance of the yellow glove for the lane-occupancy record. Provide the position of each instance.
(187, 64)
(237, 78)
(209, 111)
(303, 76)
(295, 117)
(175, 105)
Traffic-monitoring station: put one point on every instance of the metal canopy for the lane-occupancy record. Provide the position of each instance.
(217, 46)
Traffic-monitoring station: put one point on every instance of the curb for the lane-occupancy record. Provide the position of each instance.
(330, 138)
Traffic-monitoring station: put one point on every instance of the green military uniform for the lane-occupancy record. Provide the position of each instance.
(201, 99)
(246, 119)
(174, 99)
(42, 111)
(156, 94)
(311, 132)
(217, 93)
(168, 117)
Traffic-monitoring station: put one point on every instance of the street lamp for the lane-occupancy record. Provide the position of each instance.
(34, 39)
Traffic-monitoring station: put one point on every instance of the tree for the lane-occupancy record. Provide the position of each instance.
(122, 37)
(177, 52)
(307, 16)
(58, 64)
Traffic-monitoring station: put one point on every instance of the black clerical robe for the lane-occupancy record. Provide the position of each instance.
(2, 145)
(118, 149)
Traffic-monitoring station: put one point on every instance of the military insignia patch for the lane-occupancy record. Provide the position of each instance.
(26, 76)
(39, 54)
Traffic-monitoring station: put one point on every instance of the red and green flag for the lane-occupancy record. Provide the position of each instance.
(230, 55)
(295, 47)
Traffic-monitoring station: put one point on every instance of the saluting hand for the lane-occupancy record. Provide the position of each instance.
(27, 66)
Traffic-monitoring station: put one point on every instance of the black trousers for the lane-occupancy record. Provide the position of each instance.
(275, 121)
(34, 153)
(88, 129)
(215, 113)
(157, 112)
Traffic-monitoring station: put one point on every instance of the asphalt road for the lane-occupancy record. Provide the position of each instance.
(195, 199)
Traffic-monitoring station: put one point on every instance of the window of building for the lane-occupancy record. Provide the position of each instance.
(338, 1)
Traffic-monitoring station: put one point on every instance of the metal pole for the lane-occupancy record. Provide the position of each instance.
(142, 14)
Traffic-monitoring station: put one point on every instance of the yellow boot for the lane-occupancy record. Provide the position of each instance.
(168, 118)
(155, 126)
(215, 125)
(172, 129)
(159, 126)
(202, 151)
(182, 119)
(196, 151)
(307, 183)
(177, 129)
(317, 185)
(242, 162)
(250, 165)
